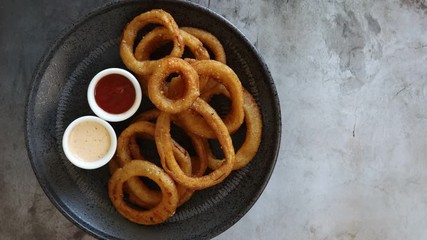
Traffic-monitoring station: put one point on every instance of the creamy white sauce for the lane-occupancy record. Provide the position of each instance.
(89, 141)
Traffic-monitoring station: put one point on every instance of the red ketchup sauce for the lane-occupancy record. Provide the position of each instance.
(115, 93)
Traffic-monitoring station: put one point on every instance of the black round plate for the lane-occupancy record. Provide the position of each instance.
(58, 96)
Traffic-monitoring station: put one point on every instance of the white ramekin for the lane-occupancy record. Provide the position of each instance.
(106, 115)
(85, 164)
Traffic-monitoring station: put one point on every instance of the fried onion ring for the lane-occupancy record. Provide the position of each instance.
(124, 155)
(253, 121)
(113, 165)
(156, 16)
(128, 149)
(166, 67)
(137, 168)
(157, 38)
(223, 74)
(208, 40)
(160, 36)
(184, 193)
(199, 164)
(214, 45)
(164, 146)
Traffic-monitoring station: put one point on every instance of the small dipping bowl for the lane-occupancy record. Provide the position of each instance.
(114, 94)
(89, 142)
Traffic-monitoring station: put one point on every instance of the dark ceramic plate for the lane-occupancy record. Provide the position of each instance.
(58, 96)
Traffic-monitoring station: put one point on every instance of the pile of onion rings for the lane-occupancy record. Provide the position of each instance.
(181, 88)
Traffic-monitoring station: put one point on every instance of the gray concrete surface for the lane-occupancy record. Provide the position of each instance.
(352, 81)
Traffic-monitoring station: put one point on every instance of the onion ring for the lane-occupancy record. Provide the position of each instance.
(199, 164)
(156, 16)
(132, 198)
(160, 36)
(136, 168)
(208, 40)
(128, 149)
(156, 82)
(184, 193)
(249, 148)
(154, 40)
(214, 45)
(113, 165)
(226, 76)
(124, 155)
(164, 146)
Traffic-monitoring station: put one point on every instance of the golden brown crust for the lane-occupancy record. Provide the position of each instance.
(224, 75)
(253, 121)
(164, 146)
(160, 36)
(156, 16)
(209, 41)
(157, 81)
(137, 168)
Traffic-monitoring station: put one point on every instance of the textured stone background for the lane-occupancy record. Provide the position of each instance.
(352, 81)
